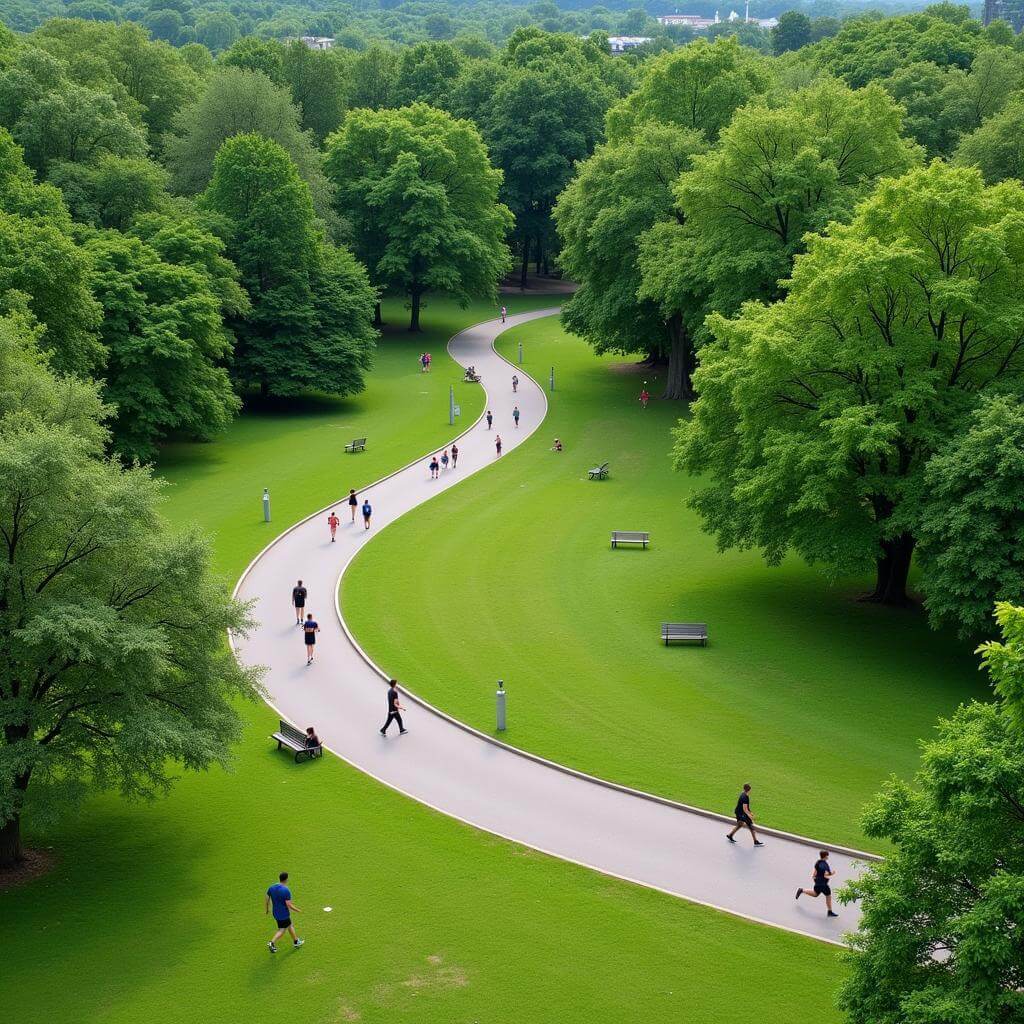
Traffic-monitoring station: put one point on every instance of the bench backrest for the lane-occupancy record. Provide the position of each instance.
(684, 627)
(292, 733)
(358, 440)
(604, 465)
(630, 535)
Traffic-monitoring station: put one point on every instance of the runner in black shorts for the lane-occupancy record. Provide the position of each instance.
(821, 874)
(298, 601)
(744, 819)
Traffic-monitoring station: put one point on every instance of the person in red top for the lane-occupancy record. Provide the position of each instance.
(333, 521)
(644, 398)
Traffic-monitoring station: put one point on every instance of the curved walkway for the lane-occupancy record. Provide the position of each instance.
(468, 776)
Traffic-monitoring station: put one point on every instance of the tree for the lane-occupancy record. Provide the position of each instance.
(422, 198)
(698, 86)
(318, 81)
(426, 73)
(791, 33)
(113, 666)
(239, 102)
(373, 79)
(216, 30)
(818, 414)
(997, 147)
(311, 303)
(621, 192)
(166, 345)
(924, 90)
(110, 192)
(940, 938)
(164, 24)
(251, 53)
(972, 523)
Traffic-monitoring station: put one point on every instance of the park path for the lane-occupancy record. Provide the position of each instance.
(469, 776)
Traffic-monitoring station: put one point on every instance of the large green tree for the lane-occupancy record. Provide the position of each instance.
(997, 147)
(818, 414)
(940, 937)
(422, 198)
(620, 193)
(309, 327)
(113, 666)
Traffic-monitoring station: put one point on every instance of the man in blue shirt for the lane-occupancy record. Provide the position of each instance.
(279, 897)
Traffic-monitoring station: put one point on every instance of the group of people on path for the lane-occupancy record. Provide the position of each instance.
(439, 463)
(820, 874)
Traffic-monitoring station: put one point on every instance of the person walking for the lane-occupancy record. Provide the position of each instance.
(310, 628)
(455, 455)
(821, 874)
(504, 313)
(515, 383)
(333, 522)
(279, 897)
(423, 362)
(434, 466)
(353, 503)
(367, 512)
(429, 360)
(497, 444)
(444, 459)
(515, 416)
(490, 419)
(744, 817)
(395, 710)
(644, 398)
(298, 601)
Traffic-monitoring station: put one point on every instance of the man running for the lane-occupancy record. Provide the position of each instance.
(490, 419)
(394, 710)
(455, 455)
(644, 398)
(333, 522)
(298, 601)
(367, 512)
(515, 416)
(279, 896)
(515, 383)
(310, 628)
(353, 503)
(744, 817)
(821, 874)
(504, 313)
(497, 444)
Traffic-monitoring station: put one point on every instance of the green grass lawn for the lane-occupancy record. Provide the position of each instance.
(154, 912)
(803, 691)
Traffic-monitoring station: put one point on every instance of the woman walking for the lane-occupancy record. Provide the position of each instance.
(353, 503)
(455, 455)
(497, 444)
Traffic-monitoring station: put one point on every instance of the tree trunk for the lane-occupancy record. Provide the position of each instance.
(679, 383)
(378, 320)
(526, 263)
(414, 319)
(10, 843)
(264, 388)
(893, 568)
(538, 256)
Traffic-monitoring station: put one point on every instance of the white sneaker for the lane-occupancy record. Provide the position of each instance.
(298, 942)
(271, 947)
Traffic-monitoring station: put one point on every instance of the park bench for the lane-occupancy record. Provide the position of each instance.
(358, 445)
(290, 737)
(630, 537)
(599, 472)
(685, 631)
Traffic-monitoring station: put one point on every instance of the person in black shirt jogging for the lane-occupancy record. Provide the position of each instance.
(821, 874)
(394, 710)
(744, 819)
(298, 601)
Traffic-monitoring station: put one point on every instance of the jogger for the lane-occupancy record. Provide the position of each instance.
(333, 521)
(744, 817)
(394, 710)
(821, 874)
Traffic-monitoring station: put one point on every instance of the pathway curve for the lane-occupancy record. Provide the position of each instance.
(468, 776)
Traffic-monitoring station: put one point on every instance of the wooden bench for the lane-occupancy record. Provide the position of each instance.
(685, 631)
(599, 472)
(290, 737)
(358, 445)
(630, 537)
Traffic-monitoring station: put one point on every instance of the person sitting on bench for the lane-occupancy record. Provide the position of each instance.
(557, 446)
(312, 740)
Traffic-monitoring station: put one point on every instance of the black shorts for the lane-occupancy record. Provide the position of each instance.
(286, 923)
(300, 604)
(310, 639)
(745, 820)
(822, 889)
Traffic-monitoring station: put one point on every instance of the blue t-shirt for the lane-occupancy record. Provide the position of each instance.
(366, 508)
(279, 895)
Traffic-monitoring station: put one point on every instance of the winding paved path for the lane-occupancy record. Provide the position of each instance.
(441, 763)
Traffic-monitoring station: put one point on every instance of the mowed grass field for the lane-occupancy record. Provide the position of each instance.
(803, 691)
(154, 913)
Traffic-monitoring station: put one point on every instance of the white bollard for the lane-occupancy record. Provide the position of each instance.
(499, 699)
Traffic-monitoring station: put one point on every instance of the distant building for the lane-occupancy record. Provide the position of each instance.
(1011, 11)
(317, 42)
(620, 44)
(698, 24)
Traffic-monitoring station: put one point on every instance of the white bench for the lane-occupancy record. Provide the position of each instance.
(697, 631)
(630, 537)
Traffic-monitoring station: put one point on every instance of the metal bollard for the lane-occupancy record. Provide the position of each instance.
(499, 699)
(266, 504)
(451, 405)
(552, 378)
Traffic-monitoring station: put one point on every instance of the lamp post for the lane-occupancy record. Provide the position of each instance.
(451, 405)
